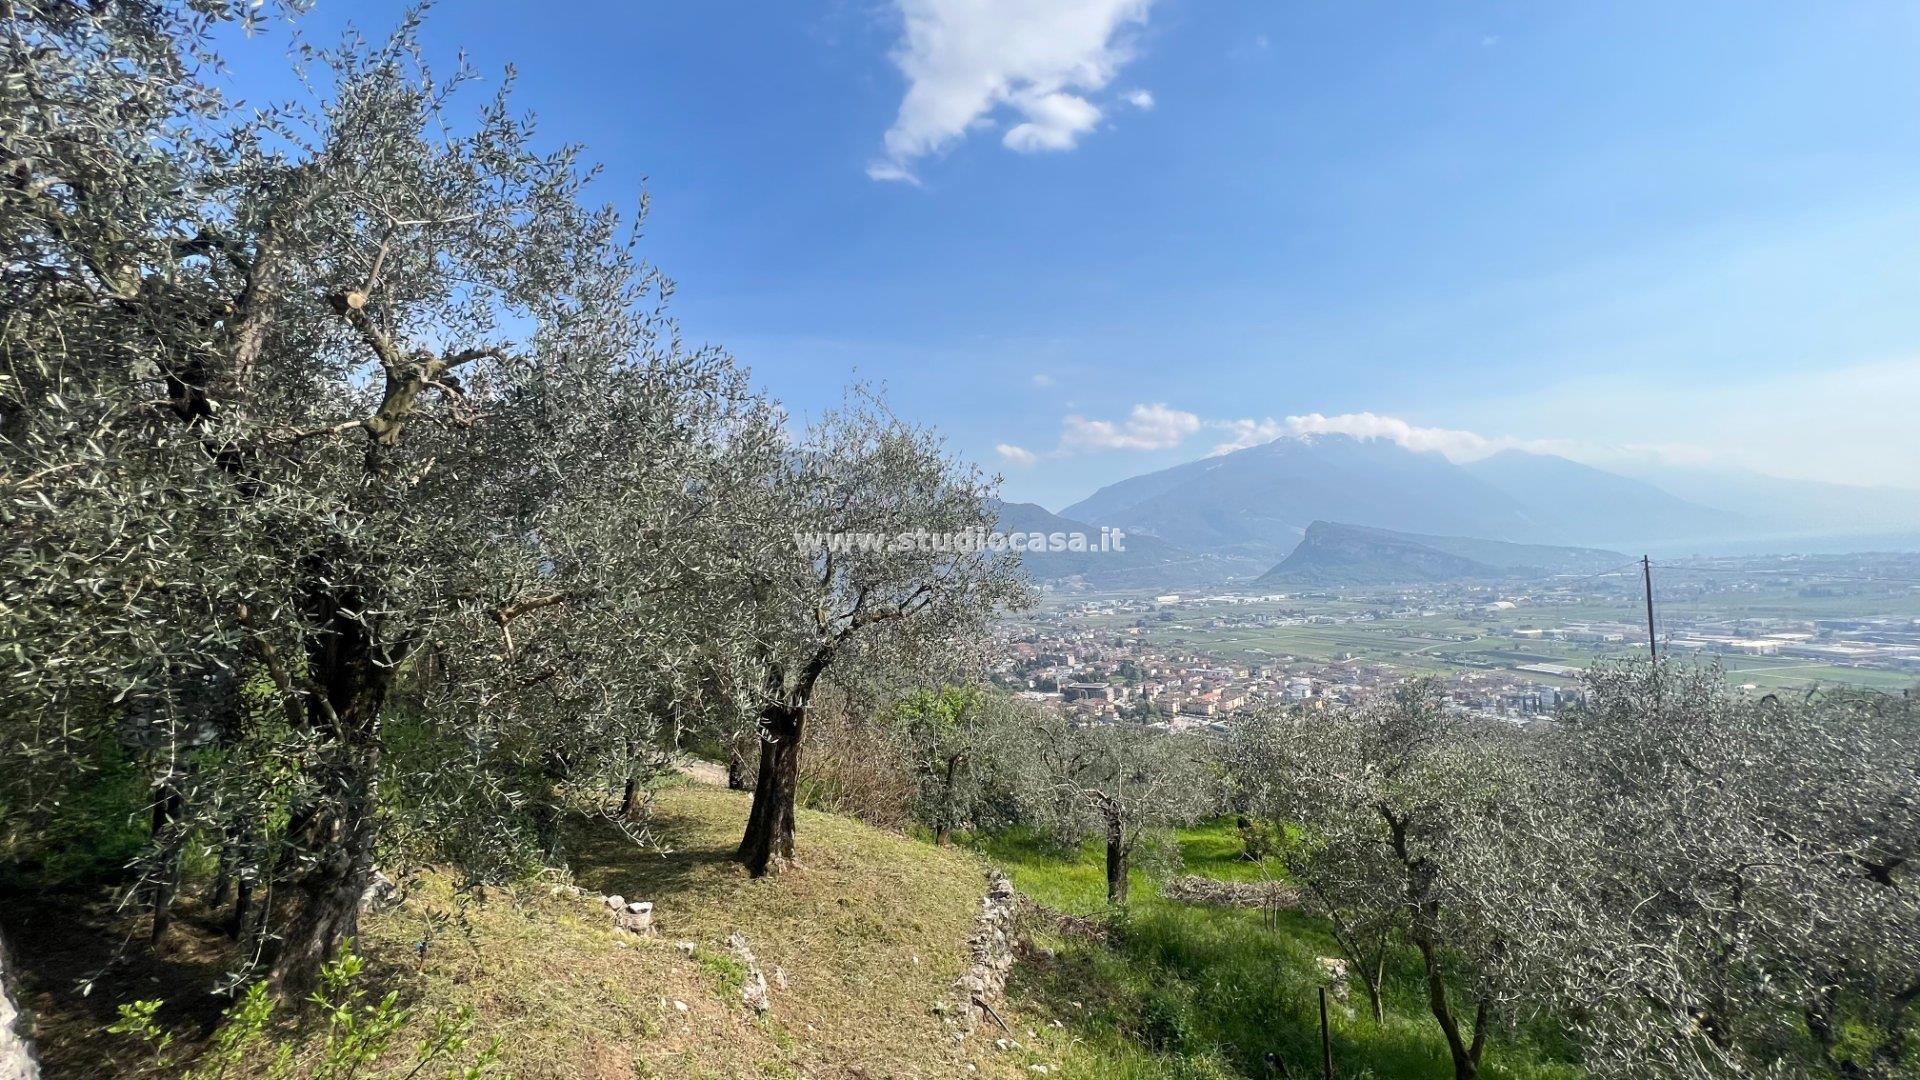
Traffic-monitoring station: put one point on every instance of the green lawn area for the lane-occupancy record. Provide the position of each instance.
(1182, 991)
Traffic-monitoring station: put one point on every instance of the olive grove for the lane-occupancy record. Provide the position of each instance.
(1403, 808)
(1124, 784)
(1696, 882)
(358, 489)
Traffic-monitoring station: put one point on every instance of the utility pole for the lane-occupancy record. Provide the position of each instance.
(1646, 571)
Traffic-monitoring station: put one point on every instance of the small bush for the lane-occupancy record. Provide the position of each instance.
(852, 766)
(357, 1035)
(1259, 840)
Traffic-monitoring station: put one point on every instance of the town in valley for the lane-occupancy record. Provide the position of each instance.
(1513, 650)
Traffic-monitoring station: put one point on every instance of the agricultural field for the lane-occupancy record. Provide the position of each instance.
(1448, 630)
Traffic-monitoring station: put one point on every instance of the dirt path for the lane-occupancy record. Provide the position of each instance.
(705, 772)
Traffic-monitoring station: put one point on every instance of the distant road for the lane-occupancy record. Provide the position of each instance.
(1437, 644)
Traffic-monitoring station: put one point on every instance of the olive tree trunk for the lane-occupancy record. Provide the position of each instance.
(1464, 1048)
(767, 847)
(336, 843)
(1116, 865)
(331, 833)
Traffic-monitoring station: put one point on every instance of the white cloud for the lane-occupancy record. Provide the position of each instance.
(1015, 455)
(1246, 433)
(964, 59)
(884, 170)
(1042, 380)
(1140, 99)
(1456, 444)
(1162, 427)
(1847, 424)
(1147, 427)
(1056, 123)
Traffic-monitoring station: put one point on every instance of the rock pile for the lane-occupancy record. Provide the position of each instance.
(754, 991)
(992, 944)
(1194, 889)
(635, 917)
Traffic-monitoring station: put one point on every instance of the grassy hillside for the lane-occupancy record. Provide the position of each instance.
(869, 937)
(1182, 991)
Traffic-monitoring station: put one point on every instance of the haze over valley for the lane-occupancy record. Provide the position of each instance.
(1232, 517)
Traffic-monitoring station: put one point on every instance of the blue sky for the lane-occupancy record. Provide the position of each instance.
(1108, 235)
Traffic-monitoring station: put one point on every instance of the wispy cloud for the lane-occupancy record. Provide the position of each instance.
(1162, 427)
(1147, 427)
(1245, 433)
(1159, 426)
(964, 60)
(1015, 455)
(1042, 380)
(1456, 444)
(1825, 419)
(1140, 99)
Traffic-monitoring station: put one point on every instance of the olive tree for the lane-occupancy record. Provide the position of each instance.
(1403, 812)
(856, 562)
(1733, 888)
(955, 738)
(1124, 783)
(300, 402)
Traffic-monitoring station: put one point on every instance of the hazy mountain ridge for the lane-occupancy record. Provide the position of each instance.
(1233, 515)
(1589, 505)
(1258, 501)
(1776, 506)
(1144, 561)
(1333, 553)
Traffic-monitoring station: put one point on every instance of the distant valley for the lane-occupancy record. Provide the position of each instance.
(1336, 554)
(1238, 516)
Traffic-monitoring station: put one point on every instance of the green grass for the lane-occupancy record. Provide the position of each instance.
(1190, 992)
(867, 938)
(1419, 645)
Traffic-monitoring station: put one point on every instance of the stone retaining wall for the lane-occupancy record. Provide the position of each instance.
(992, 945)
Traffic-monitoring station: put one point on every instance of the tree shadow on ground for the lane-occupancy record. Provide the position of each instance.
(79, 960)
(681, 857)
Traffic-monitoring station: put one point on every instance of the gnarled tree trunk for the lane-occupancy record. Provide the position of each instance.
(1116, 864)
(332, 832)
(335, 842)
(767, 846)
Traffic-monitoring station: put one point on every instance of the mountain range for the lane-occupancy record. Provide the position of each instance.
(1233, 516)
(1259, 501)
(1335, 554)
(1144, 562)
